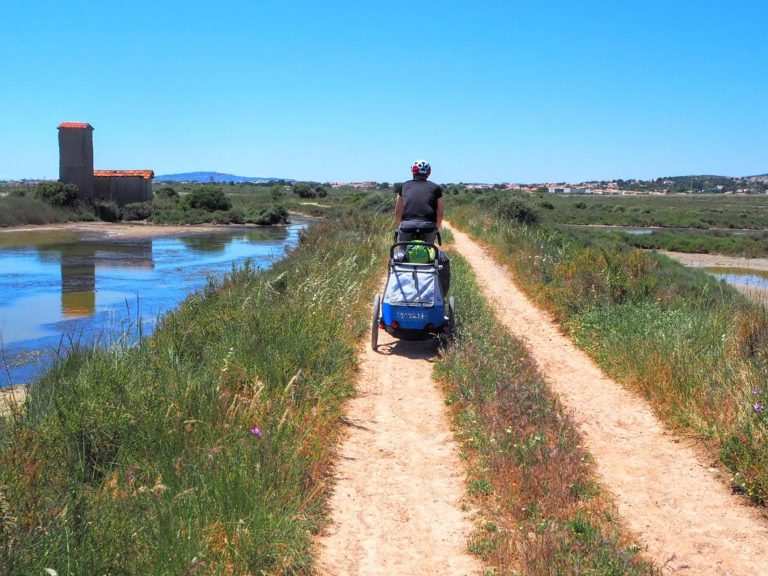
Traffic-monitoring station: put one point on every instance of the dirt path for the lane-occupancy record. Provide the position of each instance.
(677, 505)
(396, 507)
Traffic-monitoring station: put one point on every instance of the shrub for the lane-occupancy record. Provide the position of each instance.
(517, 211)
(269, 216)
(107, 211)
(547, 205)
(57, 194)
(303, 190)
(137, 211)
(276, 192)
(210, 199)
(167, 192)
(233, 216)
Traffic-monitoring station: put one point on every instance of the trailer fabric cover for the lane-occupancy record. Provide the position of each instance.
(412, 286)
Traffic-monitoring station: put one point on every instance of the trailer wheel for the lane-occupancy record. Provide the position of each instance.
(375, 322)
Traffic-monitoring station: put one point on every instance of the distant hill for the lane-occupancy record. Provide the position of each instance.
(205, 177)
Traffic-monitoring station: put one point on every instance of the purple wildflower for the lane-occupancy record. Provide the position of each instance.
(256, 431)
(755, 391)
(758, 407)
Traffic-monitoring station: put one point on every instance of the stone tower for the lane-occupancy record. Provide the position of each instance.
(76, 157)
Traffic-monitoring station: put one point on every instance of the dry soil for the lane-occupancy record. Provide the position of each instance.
(397, 504)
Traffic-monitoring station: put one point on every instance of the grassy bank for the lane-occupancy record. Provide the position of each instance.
(544, 512)
(692, 345)
(204, 449)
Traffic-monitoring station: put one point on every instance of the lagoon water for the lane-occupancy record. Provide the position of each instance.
(741, 277)
(60, 287)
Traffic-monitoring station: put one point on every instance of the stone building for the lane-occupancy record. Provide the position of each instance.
(76, 167)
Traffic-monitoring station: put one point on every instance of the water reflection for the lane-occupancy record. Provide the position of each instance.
(53, 285)
(78, 262)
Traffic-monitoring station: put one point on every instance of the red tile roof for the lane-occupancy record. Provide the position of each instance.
(146, 174)
(75, 125)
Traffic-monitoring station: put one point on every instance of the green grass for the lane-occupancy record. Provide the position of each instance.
(544, 512)
(679, 211)
(708, 223)
(690, 344)
(750, 245)
(146, 460)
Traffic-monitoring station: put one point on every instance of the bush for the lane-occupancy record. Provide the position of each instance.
(167, 192)
(57, 194)
(137, 211)
(107, 211)
(210, 199)
(517, 211)
(547, 205)
(233, 216)
(269, 216)
(303, 190)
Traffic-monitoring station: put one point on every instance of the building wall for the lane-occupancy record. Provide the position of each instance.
(76, 159)
(123, 189)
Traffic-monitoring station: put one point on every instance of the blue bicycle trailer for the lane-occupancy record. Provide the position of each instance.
(413, 306)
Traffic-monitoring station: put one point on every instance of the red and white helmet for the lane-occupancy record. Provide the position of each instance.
(421, 167)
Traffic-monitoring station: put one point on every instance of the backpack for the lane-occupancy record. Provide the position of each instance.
(419, 253)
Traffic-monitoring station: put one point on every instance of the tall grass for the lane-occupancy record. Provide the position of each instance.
(544, 513)
(18, 211)
(693, 346)
(203, 450)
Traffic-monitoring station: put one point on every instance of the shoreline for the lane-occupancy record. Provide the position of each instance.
(126, 230)
(694, 260)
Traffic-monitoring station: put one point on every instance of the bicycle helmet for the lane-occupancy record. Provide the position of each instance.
(421, 167)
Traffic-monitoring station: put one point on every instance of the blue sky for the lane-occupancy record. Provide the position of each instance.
(487, 91)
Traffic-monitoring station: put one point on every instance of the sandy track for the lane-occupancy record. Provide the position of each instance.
(669, 497)
(396, 506)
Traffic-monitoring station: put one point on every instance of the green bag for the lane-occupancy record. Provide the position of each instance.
(419, 253)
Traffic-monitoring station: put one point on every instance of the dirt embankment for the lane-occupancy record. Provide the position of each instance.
(397, 503)
(665, 492)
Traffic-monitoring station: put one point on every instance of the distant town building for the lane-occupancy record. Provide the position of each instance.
(76, 167)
